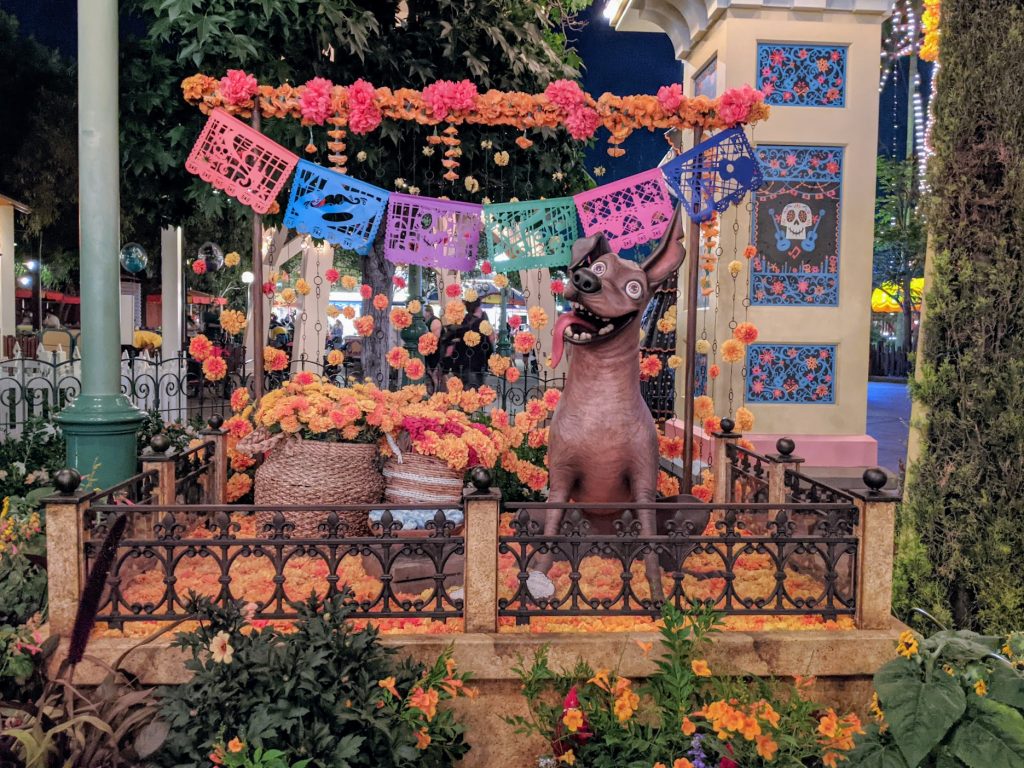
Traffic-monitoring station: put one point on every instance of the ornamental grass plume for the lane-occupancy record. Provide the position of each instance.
(85, 618)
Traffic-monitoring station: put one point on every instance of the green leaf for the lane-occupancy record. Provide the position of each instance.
(992, 738)
(919, 713)
(1006, 685)
(872, 753)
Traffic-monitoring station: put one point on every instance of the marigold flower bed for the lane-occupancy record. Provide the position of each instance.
(252, 579)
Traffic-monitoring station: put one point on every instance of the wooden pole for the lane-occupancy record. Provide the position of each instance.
(692, 254)
(258, 333)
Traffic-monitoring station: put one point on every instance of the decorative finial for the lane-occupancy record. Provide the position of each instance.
(67, 481)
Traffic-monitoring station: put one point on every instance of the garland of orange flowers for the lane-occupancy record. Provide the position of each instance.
(360, 108)
(930, 24)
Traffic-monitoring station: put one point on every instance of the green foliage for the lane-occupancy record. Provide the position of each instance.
(682, 711)
(959, 532)
(312, 693)
(40, 149)
(259, 758)
(900, 236)
(28, 459)
(949, 700)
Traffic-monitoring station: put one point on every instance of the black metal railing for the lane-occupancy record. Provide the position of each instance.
(802, 489)
(804, 556)
(139, 489)
(748, 474)
(191, 473)
(253, 553)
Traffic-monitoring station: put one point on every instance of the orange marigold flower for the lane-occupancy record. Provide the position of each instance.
(398, 357)
(745, 332)
(236, 745)
(200, 347)
(401, 318)
(744, 419)
(414, 369)
(650, 366)
(381, 302)
(233, 321)
(348, 312)
(750, 251)
(682, 762)
(215, 368)
(274, 359)
(427, 344)
(335, 357)
(512, 375)
(700, 668)
(365, 291)
(538, 317)
(498, 364)
(688, 727)
(767, 747)
(237, 486)
(348, 282)
(714, 371)
(524, 342)
(302, 287)
(239, 399)
(732, 350)
(523, 143)
(364, 325)
(551, 398)
(424, 701)
(703, 407)
(304, 378)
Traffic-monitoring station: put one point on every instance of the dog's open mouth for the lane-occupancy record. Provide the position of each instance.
(582, 326)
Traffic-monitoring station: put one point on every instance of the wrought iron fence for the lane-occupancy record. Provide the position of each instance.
(254, 554)
(805, 557)
(748, 474)
(802, 489)
(191, 473)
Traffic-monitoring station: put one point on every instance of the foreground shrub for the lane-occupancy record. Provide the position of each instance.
(682, 716)
(323, 693)
(955, 698)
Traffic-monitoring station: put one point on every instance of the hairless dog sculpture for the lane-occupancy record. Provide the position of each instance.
(603, 444)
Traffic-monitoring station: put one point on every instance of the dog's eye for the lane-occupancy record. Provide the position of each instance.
(598, 268)
(634, 289)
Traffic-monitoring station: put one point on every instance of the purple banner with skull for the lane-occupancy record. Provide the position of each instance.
(796, 230)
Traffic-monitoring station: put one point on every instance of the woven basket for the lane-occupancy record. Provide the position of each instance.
(415, 479)
(309, 472)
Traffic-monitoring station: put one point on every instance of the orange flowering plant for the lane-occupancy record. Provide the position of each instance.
(682, 715)
(321, 690)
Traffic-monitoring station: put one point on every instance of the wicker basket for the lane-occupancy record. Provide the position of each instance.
(310, 472)
(415, 479)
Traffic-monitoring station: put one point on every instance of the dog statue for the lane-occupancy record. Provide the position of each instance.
(603, 444)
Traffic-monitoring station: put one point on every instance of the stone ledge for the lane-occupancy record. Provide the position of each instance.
(834, 654)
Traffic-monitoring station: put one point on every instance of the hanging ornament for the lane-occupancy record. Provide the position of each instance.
(212, 255)
(133, 258)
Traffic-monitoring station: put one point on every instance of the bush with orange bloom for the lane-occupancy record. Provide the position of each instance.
(239, 399)
(200, 347)
(415, 369)
(745, 332)
(732, 350)
(538, 317)
(700, 668)
(364, 325)
(274, 359)
(398, 357)
(524, 342)
(650, 366)
(381, 302)
(215, 368)
(427, 344)
(424, 701)
(744, 419)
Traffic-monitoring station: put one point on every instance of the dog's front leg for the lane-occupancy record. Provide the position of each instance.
(645, 492)
(560, 484)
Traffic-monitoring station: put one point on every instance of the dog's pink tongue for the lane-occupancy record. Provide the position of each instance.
(558, 342)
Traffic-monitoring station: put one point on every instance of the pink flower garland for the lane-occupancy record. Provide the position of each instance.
(363, 113)
(238, 87)
(445, 97)
(580, 120)
(735, 104)
(315, 102)
(670, 97)
(566, 94)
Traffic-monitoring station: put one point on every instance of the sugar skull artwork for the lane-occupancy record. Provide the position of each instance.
(796, 227)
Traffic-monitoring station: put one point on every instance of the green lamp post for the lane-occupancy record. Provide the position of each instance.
(100, 424)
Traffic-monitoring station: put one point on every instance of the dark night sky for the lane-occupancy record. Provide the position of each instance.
(615, 61)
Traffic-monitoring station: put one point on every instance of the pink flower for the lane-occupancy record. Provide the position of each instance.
(363, 113)
(735, 104)
(238, 87)
(486, 268)
(444, 97)
(398, 281)
(582, 122)
(557, 287)
(671, 96)
(315, 102)
(199, 267)
(565, 94)
(331, 275)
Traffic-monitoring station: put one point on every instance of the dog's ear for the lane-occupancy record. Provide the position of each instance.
(669, 254)
(589, 248)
